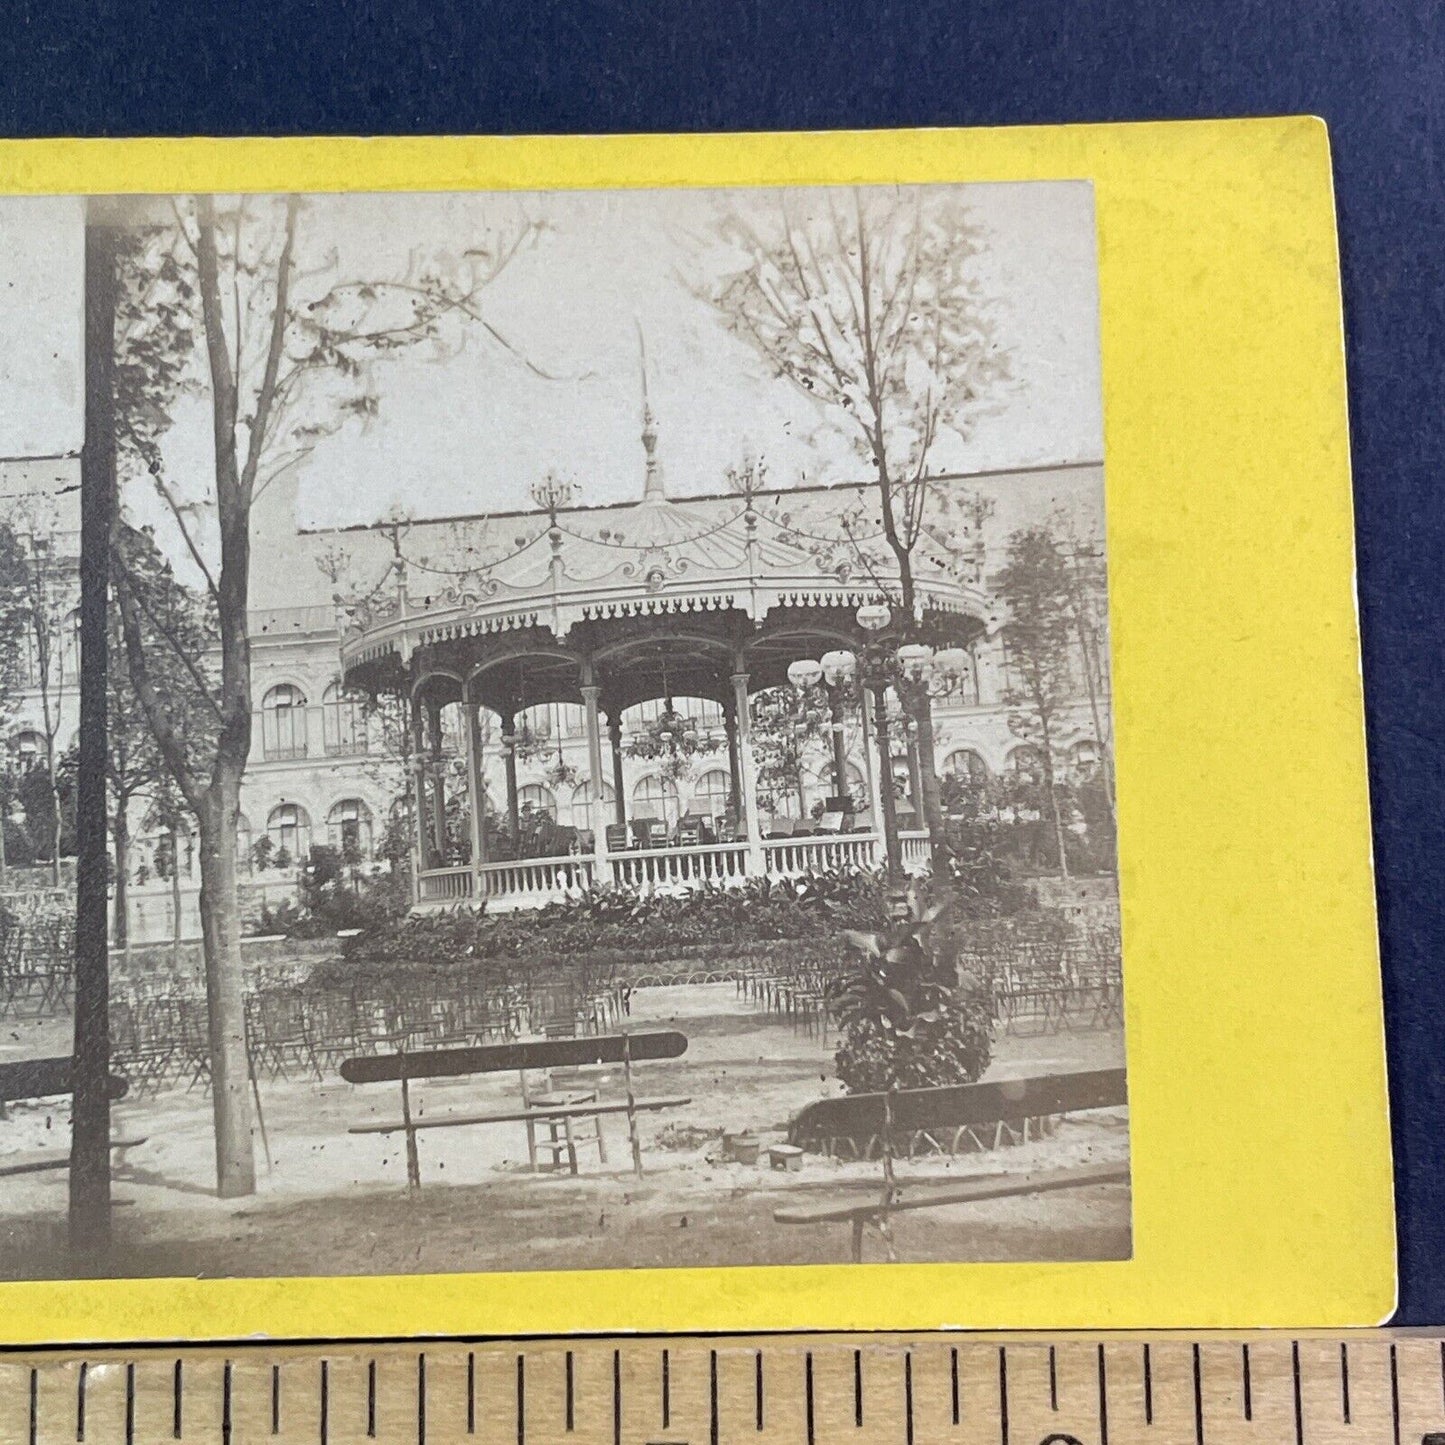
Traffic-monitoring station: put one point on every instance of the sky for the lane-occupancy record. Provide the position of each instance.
(472, 432)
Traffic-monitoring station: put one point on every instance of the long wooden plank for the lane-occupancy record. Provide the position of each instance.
(44, 1079)
(991, 1186)
(515, 1116)
(861, 1115)
(504, 1058)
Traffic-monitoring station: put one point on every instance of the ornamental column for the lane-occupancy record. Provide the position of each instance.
(591, 694)
(619, 790)
(840, 747)
(476, 791)
(730, 727)
(747, 779)
(439, 797)
(509, 762)
(418, 781)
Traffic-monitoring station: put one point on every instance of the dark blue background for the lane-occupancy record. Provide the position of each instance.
(1375, 71)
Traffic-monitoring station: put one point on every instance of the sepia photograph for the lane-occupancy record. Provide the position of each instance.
(608, 755)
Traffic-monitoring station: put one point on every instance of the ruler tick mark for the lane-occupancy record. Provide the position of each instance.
(758, 1385)
(808, 1392)
(858, 1389)
(666, 1389)
(1053, 1380)
(712, 1412)
(1198, 1401)
(129, 1404)
(34, 1405)
(80, 1401)
(275, 1399)
(908, 1397)
(1395, 1394)
(226, 1405)
(325, 1394)
(1248, 1393)
(1299, 1409)
(1148, 1388)
(1103, 1399)
(521, 1400)
(616, 1397)
(953, 1371)
(471, 1392)
(176, 1398)
(1345, 1382)
(1002, 1396)
(571, 1394)
(371, 1400)
(421, 1399)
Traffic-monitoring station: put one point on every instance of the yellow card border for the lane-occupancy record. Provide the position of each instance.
(1262, 1177)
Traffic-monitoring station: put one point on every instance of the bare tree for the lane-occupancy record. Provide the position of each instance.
(240, 302)
(874, 307)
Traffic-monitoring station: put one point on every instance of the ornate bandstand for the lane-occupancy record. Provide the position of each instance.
(710, 597)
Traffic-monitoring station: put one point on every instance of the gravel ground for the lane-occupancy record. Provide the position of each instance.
(336, 1203)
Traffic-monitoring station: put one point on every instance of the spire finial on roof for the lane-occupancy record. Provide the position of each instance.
(653, 489)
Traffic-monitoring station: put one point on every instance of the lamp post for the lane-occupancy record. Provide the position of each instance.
(911, 669)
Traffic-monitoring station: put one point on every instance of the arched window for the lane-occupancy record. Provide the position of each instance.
(343, 722)
(1027, 763)
(1084, 760)
(243, 842)
(27, 750)
(289, 827)
(283, 723)
(582, 803)
(655, 797)
(966, 765)
(348, 829)
(711, 793)
(542, 799)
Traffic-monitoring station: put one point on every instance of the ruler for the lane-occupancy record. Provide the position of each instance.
(1382, 1387)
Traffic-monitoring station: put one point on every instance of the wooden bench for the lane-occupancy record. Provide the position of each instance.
(26, 1079)
(876, 1212)
(954, 1112)
(405, 1068)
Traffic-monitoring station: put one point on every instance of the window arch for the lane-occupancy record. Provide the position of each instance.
(289, 827)
(343, 722)
(966, 765)
(1085, 760)
(348, 828)
(1027, 763)
(542, 799)
(712, 793)
(283, 723)
(582, 803)
(27, 750)
(655, 797)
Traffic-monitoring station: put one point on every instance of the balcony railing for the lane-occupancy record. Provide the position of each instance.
(535, 882)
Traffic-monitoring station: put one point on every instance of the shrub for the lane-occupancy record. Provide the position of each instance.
(908, 1022)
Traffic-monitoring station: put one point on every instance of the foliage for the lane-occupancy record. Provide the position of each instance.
(908, 1021)
(333, 899)
(762, 910)
(789, 727)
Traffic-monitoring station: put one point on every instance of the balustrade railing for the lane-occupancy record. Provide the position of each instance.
(701, 863)
(537, 880)
(445, 885)
(788, 857)
(545, 880)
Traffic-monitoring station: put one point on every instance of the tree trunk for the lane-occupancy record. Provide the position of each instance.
(175, 897)
(121, 833)
(225, 1006)
(1051, 789)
